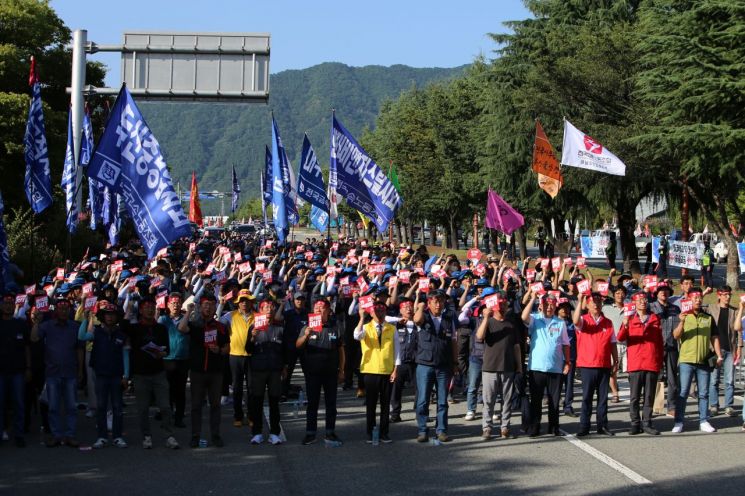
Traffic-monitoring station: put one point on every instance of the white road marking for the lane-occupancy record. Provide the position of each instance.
(602, 457)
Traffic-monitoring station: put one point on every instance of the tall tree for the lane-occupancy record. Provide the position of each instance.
(692, 78)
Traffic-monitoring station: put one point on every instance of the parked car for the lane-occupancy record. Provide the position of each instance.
(244, 229)
(213, 232)
(719, 247)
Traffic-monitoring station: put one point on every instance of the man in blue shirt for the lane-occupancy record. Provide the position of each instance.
(64, 359)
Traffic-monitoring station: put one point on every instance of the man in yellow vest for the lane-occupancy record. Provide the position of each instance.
(380, 356)
(238, 323)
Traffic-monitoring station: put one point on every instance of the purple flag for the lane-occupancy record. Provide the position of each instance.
(500, 215)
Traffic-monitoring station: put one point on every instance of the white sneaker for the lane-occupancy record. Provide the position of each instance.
(147, 443)
(100, 443)
(257, 439)
(470, 415)
(120, 442)
(171, 443)
(706, 427)
(274, 439)
(678, 427)
(226, 400)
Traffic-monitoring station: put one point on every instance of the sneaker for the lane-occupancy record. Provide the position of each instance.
(505, 433)
(470, 415)
(226, 400)
(120, 442)
(422, 436)
(569, 412)
(706, 427)
(330, 437)
(257, 439)
(443, 437)
(729, 411)
(360, 393)
(651, 431)
(171, 443)
(385, 439)
(486, 433)
(71, 442)
(217, 442)
(147, 443)
(309, 439)
(678, 427)
(90, 413)
(100, 443)
(713, 411)
(274, 439)
(395, 419)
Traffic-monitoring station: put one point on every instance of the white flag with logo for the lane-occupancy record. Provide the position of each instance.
(580, 150)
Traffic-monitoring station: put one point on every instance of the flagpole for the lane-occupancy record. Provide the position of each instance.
(390, 226)
(328, 228)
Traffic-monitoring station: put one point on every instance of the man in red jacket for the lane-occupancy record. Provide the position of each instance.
(643, 335)
(597, 359)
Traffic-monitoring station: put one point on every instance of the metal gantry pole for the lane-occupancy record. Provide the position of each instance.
(79, 40)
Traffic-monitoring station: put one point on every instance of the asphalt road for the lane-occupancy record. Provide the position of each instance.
(691, 463)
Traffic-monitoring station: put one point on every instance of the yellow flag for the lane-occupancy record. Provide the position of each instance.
(365, 220)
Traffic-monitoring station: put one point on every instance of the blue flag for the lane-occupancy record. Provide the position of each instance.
(116, 223)
(106, 210)
(279, 155)
(358, 179)
(4, 255)
(69, 177)
(128, 160)
(38, 181)
(95, 190)
(236, 192)
(310, 185)
(280, 189)
(319, 218)
(267, 178)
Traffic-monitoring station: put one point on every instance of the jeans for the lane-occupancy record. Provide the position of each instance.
(109, 388)
(14, 384)
(703, 375)
(241, 372)
(62, 390)
(474, 381)
(673, 381)
(728, 370)
(426, 378)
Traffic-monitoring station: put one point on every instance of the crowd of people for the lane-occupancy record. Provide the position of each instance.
(229, 319)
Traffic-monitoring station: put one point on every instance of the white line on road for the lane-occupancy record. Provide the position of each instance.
(602, 457)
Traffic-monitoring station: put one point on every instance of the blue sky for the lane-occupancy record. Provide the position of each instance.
(418, 33)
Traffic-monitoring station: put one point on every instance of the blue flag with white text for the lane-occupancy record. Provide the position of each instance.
(37, 181)
(95, 190)
(310, 185)
(319, 218)
(128, 160)
(267, 179)
(279, 155)
(69, 178)
(280, 189)
(358, 179)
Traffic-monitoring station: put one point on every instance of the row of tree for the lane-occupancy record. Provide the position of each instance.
(659, 82)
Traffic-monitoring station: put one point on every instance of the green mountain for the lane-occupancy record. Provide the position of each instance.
(210, 137)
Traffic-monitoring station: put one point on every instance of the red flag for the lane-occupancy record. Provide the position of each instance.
(195, 211)
(545, 163)
(33, 77)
